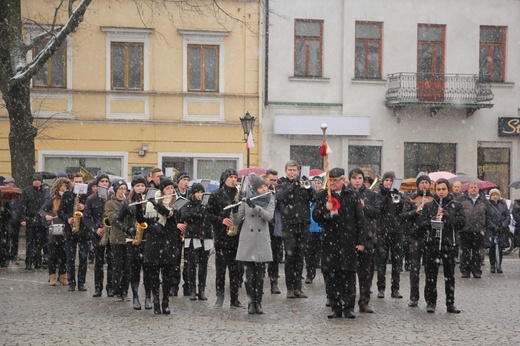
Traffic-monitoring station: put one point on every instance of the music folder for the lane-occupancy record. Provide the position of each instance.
(150, 193)
(179, 203)
(80, 189)
(102, 192)
(396, 184)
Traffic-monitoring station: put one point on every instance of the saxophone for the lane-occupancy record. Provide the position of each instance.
(77, 215)
(139, 229)
(233, 230)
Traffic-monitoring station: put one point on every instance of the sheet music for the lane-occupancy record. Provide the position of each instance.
(151, 193)
(102, 192)
(396, 184)
(80, 189)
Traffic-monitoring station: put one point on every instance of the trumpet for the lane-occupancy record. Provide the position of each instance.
(139, 229)
(396, 198)
(304, 183)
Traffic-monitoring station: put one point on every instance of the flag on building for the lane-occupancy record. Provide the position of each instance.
(250, 142)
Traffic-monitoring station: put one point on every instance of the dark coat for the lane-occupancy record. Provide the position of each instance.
(294, 202)
(342, 232)
(194, 214)
(390, 219)
(372, 211)
(32, 200)
(162, 242)
(475, 213)
(93, 214)
(66, 211)
(453, 220)
(215, 213)
(516, 217)
(410, 216)
(497, 224)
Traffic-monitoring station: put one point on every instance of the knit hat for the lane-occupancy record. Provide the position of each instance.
(100, 176)
(37, 176)
(8, 180)
(421, 178)
(492, 191)
(61, 175)
(336, 172)
(165, 182)
(196, 188)
(256, 182)
(389, 174)
(138, 179)
(181, 176)
(228, 172)
(118, 183)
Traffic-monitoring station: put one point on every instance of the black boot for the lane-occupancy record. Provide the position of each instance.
(166, 301)
(202, 294)
(156, 307)
(259, 309)
(274, 287)
(137, 303)
(251, 308)
(148, 302)
(193, 295)
(135, 294)
(220, 301)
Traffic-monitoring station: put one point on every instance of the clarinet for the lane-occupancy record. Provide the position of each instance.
(438, 233)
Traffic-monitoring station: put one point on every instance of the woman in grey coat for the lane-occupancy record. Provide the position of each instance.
(254, 247)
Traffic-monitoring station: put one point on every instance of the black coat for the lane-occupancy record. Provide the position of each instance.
(453, 220)
(372, 211)
(390, 219)
(342, 232)
(93, 214)
(294, 203)
(215, 214)
(410, 217)
(497, 224)
(65, 212)
(32, 200)
(162, 242)
(194, 215)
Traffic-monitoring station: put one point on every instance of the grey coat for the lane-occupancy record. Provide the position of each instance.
(255, 242)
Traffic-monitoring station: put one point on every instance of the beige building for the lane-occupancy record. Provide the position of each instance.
(162, 87)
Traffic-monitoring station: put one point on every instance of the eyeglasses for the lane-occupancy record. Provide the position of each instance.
(335, 180)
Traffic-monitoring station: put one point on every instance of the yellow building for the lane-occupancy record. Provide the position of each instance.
(140, 86)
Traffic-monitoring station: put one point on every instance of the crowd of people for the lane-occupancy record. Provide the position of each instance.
(348, 226)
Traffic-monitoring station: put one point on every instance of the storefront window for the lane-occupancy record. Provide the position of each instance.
(200, 168)
(307, 155)
(493, 165)
(429, 157)
(367, 158)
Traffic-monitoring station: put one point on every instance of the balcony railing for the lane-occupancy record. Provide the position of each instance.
(442, 90)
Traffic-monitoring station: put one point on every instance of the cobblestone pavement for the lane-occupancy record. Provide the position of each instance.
(34, 313)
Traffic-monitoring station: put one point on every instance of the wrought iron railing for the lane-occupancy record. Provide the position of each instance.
(443, 88)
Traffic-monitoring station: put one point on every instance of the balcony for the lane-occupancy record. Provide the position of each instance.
(436, 91)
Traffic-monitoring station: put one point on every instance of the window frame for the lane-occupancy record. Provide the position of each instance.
(203, 48)
(367, 44)
(195, 157)
(126, 46)
(48, 63)
(492, 46)
(307, 50)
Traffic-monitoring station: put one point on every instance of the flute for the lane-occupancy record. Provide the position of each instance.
(243, 200)
(158, 198)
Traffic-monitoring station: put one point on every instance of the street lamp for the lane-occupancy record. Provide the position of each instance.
(248, 122)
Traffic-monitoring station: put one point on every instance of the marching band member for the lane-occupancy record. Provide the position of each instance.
(254, 246)
(127, 217)
(161, 248)
(117, 239)
(93, 217)
(198, 241)
(49, 212)
(182, 190)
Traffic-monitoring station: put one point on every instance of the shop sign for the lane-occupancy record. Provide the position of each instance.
(509, 127)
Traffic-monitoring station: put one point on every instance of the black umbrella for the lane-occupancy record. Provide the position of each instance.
(515, 184)
(47, 175)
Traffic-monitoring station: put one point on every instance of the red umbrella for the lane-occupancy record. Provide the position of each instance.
(247, 171)
(314, 172)
(434, 176)
(9, 193)
(482, 185)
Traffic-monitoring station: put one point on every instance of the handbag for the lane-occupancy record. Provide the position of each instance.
(56, 229)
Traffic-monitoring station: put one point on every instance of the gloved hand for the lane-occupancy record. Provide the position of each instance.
(250, 203)
(235, 209)
(383, 192)
(130, 231)
(161, 209)
(152, 200)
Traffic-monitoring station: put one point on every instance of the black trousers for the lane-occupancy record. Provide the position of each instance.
(225, 259)
(120, 270)
(102, 254)
(364, 272)
(4, 241)
(12, 243)
(254, 281)
(135, 255)
(312, 258)
(71, 244)
(470, 257)
(493, 256)
(57, 255)
(390, 244)
(433, 258)
(340, 287)
(167, 281)
(277, 251)
(295, 244)
(36, 237)
(196, 259)
(416, 255)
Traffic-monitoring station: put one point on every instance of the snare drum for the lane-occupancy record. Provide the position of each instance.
(56, 229)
